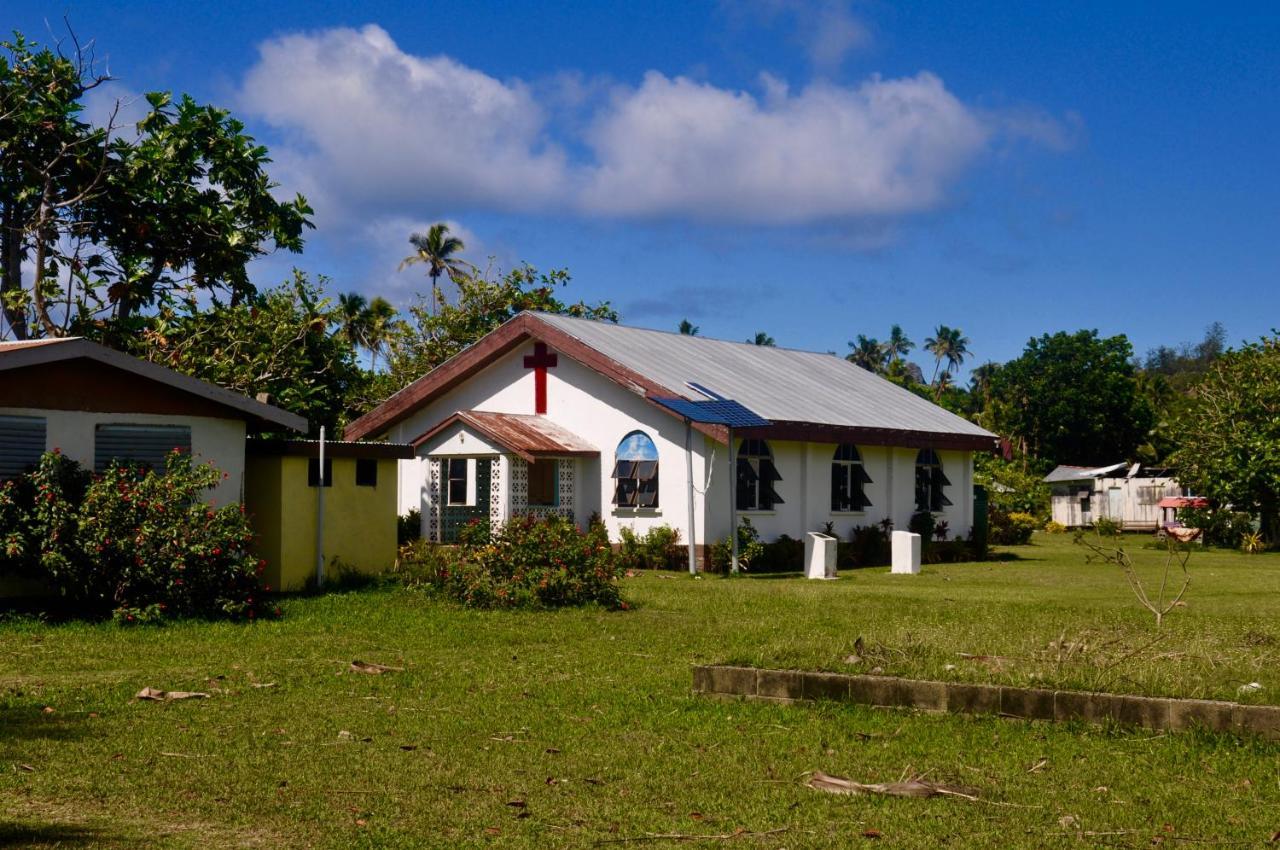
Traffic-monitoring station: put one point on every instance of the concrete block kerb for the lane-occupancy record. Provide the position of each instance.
(1156, 713)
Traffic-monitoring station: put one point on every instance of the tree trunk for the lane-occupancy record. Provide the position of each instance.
(11, 270)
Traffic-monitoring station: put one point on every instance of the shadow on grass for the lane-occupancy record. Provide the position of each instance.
(32, 834)
(30, 721)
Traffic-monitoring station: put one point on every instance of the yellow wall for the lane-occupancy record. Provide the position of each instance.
(360, 522)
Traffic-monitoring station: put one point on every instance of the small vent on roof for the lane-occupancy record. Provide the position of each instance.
(699, 388)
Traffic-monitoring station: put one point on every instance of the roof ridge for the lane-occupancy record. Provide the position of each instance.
(539, 314)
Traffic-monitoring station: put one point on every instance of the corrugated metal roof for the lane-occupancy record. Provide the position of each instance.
(1080, 473)
(781, 384)
(523, 434)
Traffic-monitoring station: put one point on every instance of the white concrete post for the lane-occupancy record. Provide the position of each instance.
(819, 556)
(906, 553)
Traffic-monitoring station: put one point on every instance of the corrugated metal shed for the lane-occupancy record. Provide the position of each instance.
(780, 384)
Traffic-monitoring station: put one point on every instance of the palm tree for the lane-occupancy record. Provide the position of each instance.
(943, 384)
(380, 327)
(353, 319)
(948, 344)
(868, 353)
(688, 328)
(898, 345)
(437, 250)
(762, 338)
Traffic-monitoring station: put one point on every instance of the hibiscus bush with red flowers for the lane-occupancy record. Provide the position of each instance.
(131, 542)
(527, 563)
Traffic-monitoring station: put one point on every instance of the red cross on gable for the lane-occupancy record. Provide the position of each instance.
(540, 361)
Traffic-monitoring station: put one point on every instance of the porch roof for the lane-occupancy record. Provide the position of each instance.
(530, 437)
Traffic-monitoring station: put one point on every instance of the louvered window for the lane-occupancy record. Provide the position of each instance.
(22, 441)
(848, 480)
(148, 445)
(757, 477)
(635, 472)
(931, 483)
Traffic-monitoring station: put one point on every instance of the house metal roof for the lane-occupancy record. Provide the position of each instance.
(780, 384)
(528, 436)
(16, 355)
(1081, 473)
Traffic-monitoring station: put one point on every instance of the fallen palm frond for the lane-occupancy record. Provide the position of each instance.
(914, 787)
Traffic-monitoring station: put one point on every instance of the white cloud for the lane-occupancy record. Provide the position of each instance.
(677, 147)
(369, 131)
(369, 124)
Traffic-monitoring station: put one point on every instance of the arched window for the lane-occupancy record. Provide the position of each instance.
(847, 480)
(756, 477)
(931, 484)
(635, 472)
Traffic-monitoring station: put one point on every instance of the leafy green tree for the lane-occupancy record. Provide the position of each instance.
(431, 337)
(1071, 398)
(868, 353)
(96, 226)
(688, 328)
(762, 338)
(1230, 437)
(438, 251)
(287, 342)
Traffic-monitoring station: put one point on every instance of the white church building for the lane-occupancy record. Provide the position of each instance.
(552, 415)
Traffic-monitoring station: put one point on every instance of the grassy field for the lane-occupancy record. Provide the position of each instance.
(577, 728)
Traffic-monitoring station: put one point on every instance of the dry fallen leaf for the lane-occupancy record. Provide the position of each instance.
(48, 709)
(871, 833)
(164, 696)
(359, 666)
(28, 768)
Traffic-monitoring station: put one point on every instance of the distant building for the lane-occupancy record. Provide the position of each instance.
(1131, 495)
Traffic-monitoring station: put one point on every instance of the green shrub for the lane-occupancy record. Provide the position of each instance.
(1218, 527)
(409, 527)
(1010, 529)
(749, 549)
(869, 546)
(922, 523)
(657, 549)
(1107, 527)
(784, 555)
(528, 563)
(948, 552)
(132, 543)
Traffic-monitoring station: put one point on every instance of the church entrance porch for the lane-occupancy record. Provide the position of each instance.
(492, 467)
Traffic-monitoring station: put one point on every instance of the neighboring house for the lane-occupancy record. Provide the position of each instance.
(1131, 495)
(359, 507)
(550, 415)
(96, 405)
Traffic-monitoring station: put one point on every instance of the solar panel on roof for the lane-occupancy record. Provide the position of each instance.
(716, 412)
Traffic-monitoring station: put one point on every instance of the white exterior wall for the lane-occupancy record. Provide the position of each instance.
(212, 439)
(806, 491)
(601, 412)
(595, 409)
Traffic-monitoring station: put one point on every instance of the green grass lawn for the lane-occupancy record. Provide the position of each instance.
(577, 728)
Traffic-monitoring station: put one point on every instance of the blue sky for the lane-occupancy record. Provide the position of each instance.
(812, 169)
